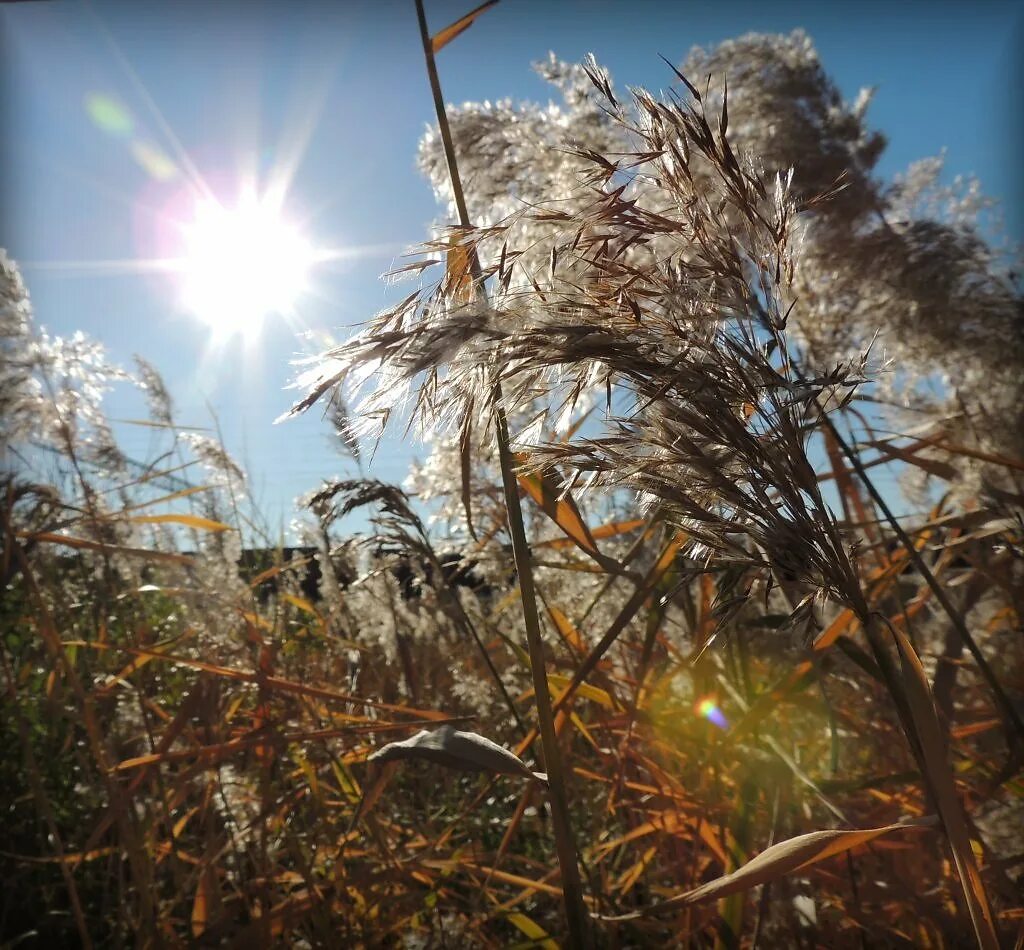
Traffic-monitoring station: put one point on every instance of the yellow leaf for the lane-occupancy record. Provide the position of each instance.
(632, 875)
(558, 682)
(567, 631)
(532, 930)
(179, 825)
(190, 521)
(270, 572)
(583, 730)
(302, 604)
(836, 629)
(119, 677)
(346, 782)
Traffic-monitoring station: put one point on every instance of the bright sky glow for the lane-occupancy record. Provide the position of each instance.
(116, 119)
(242, 263)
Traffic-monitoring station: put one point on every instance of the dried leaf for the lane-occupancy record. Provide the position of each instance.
(457, 750)
(304, 605)
(89, 545)
(777, 861)
(415, 267)
(458, 282)
(201, 904)
(546, 490)
(373, 789)
(610, 530)
(686, 82)
(723, 125)
(445, 36)
(940, 778)
(190, 521)
(566, 630)
(534, 931)
(942, 470)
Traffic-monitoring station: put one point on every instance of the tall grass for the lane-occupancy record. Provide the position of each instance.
(750, 686)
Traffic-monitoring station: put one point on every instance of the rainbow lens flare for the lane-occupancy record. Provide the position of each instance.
(708, 709)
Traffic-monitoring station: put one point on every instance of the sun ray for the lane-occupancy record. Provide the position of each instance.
(192, 173)
(101, 187)
(350, 252)
(295, 139)
(106, 268)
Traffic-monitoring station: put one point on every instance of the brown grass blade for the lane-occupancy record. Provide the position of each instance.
(373, 789)
(201, 904)
(87, 545)
(267, 682)
(458, 273)
(940, 779)
(625, 615)
(968, 452)
(465, 470)
(942, 470)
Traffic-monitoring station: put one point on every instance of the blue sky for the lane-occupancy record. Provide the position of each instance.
(339, 91)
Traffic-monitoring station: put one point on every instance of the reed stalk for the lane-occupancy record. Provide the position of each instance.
(572, 890)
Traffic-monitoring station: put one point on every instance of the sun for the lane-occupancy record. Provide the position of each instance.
(242, 263)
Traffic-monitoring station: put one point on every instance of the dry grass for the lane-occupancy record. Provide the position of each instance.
(770, 733)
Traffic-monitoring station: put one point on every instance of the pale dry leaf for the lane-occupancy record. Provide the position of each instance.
(455, 749)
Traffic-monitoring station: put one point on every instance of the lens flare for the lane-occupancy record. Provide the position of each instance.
(108, 114)
(154, 161)
(708, 709)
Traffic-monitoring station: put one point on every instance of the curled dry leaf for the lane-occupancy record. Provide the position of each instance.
(450, 747)
(777, 861)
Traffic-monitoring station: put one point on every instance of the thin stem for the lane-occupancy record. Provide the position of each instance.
(572, 890)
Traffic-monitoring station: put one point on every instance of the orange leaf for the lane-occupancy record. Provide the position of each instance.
(457, 277)
(605, 531)
(566, 630)
(547, 491)
(201, 904)
(445, 36)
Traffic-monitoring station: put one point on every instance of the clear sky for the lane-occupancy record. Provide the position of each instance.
(108, 109)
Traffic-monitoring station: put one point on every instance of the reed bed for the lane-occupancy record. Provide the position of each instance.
(680, 676)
